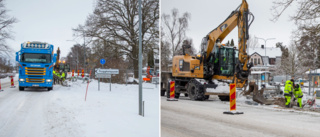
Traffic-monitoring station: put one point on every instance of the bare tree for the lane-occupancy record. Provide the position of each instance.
(115, 24)
(282, 68)
(5, 28)
(306, 37)
(308, 40)
(308, 10)
(190, 51)
(165, 52)
(175, 28)
(252, 42)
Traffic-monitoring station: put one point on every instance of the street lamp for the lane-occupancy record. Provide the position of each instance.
(265, 54)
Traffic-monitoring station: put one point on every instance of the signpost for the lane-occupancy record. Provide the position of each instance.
(105, 73)
(102, 62)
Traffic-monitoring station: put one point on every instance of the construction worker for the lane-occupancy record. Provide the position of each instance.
(54, 74)
(58, 77)
(298, 95)
(63, 76)
(288, 89)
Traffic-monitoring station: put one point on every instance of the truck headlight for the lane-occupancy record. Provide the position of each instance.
(21, 79)
(49, 80)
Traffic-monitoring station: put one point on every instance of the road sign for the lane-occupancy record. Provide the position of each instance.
(107, 71)
(102, 75)
(102, 61)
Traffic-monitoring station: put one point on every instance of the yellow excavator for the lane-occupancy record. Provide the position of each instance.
(197, 75)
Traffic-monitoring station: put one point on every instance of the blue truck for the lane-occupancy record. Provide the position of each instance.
(36, 63)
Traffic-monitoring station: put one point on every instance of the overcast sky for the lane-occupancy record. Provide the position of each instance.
(47, 21)
(208, 14)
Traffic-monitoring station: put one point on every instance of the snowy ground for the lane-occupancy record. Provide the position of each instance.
(205, 118)
(63, 112)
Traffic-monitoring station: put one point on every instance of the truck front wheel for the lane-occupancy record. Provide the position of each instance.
(21, 88)
(50, 88)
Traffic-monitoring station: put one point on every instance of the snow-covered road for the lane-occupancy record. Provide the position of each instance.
(63, 112)
(205, 119)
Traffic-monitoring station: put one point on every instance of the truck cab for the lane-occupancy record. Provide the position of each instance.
(36, 61)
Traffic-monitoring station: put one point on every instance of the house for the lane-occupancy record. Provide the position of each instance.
(264, 62)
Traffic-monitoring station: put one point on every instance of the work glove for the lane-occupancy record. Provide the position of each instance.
(300, 96)
(290, 93)
(294, 99)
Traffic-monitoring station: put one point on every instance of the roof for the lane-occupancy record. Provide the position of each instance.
(259, 72)
(271, 52)
(317, 71)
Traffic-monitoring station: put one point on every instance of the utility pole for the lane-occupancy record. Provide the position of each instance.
(265, 54)
(140, 61)
(84, 50)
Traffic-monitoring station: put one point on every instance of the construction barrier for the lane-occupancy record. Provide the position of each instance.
(12, 82)
(82, 73)
(73, 73)
(78, 72)
(0, 86)
(172, 92)
(232, 101)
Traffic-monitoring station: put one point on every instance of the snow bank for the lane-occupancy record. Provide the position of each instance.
(113, 113)
(64, 111)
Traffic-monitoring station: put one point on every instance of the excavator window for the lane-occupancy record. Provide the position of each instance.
(227, 61)
(184, 66)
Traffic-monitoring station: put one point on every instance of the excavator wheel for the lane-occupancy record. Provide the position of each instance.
(224, 98)
(176, 95)
(168, 90)
(186, 94)
(195, 90)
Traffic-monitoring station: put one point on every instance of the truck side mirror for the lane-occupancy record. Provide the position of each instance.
(54, 58)
(17, 56)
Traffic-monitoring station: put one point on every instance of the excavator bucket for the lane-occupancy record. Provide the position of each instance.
(258, 94)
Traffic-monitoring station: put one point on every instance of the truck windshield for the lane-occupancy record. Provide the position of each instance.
(36, 58)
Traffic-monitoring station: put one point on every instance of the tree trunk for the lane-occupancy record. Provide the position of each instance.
(135, 55)
(136, 68)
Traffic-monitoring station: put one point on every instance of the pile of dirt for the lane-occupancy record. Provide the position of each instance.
(280, 102)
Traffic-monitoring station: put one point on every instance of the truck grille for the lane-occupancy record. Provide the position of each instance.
(33, 80)
(35, 71)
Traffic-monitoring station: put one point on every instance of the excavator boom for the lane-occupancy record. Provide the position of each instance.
(195, 75)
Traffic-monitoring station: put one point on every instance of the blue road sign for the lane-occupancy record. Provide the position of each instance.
(102, 61)
(262, 77)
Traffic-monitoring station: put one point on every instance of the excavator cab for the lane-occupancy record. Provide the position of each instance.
(224, 62)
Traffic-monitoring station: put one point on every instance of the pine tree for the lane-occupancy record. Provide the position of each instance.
(232, 42)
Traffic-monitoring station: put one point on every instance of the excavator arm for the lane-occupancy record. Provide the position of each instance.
(239, 18)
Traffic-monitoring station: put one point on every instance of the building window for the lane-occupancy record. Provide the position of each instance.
(255, 61)
(259, 61)
(272, 61)
(252, 60)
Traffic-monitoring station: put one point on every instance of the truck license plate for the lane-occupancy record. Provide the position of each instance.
(35, 85)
